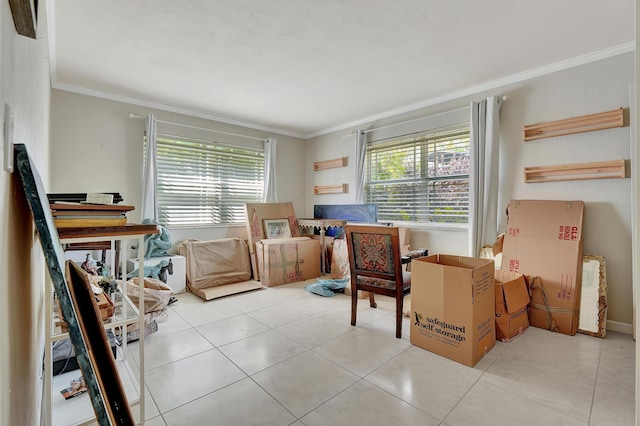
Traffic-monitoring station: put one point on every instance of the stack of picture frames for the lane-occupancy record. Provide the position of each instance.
(79, 311)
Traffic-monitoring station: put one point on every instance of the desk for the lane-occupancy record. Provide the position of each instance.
(307, 227)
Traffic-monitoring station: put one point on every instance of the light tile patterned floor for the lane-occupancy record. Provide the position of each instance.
(283, 356)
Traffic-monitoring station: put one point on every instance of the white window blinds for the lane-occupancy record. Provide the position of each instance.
(202, 183)
(421, 178)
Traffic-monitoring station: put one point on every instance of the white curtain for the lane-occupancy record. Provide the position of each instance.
(483, 174)
(361, 149)
(149, 180)
(270, 192)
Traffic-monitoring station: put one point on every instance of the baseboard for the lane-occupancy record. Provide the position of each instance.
(621, 327)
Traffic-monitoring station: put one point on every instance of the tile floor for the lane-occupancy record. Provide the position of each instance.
(283, 356)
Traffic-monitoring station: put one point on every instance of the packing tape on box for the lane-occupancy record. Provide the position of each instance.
(551, 322)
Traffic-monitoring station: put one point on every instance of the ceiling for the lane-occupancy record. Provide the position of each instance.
(304, 68)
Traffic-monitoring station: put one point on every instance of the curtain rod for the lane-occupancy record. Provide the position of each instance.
(502, 98)
(206, 142)
(200, 128)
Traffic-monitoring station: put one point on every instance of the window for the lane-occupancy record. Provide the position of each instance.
(422, 177)
(204, 183)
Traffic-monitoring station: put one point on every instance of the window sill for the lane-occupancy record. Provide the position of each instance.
(225, 225)
(449, 227)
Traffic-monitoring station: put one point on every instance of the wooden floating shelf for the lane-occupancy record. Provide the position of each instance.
(330, 164)
(330, 189)
(570, 126)
(581, 171)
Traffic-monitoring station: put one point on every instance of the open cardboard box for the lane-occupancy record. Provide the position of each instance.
(453, 306)
(512, 298)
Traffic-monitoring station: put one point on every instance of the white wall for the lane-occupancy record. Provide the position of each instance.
(635, 218)
(451, 240)
(587, 89)
(596, 87)
(102, 133)
(24, 77)
(97, 147)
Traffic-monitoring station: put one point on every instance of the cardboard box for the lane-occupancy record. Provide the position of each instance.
(255, 214)
(288, 260)
(404, 236)
(453, 306)
(512, 298)
(340, 260)
(544, 240)
(253, 259)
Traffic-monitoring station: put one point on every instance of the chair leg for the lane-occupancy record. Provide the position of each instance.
(354, 305)
(399, 305)
(372, 300)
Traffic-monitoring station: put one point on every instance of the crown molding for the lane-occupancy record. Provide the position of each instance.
(171, 108)
(490, 85)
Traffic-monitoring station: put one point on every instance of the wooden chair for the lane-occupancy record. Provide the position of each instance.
(376, 267)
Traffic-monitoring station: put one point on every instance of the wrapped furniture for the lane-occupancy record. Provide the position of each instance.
(217, 268)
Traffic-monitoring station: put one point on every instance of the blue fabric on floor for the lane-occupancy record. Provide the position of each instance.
(327, 288)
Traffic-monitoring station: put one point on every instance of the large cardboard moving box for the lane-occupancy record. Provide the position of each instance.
(288, 260)
(512, 298)
(544, 240)
(255, 214)
(453, 306)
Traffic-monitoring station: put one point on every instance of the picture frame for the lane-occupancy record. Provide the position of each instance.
(76, 299)
(276, 228)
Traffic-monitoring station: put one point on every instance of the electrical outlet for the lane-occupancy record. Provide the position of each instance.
(9, 120)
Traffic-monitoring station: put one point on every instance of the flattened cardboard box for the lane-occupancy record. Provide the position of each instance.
(453, 306)
(544, 240)
(288, 260)
(512, 298)
(257, 212)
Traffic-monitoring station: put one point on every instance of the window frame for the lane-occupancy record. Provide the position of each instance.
(210, 150)
(421, 139)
